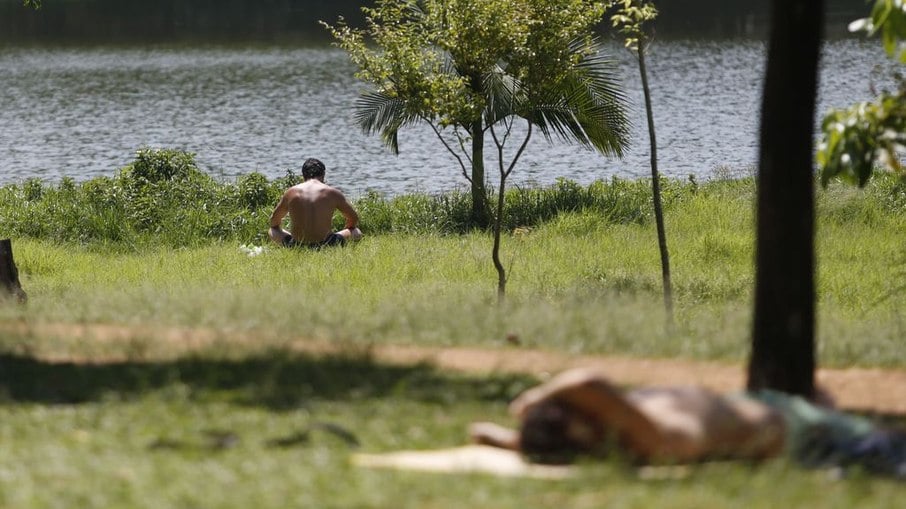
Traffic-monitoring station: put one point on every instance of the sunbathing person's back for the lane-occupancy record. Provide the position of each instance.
(580, 411)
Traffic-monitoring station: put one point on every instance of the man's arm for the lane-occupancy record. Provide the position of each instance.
(276, 231)
(345, 208)
(352, 218)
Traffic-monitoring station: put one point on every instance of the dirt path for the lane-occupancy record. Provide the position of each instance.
(875, 390)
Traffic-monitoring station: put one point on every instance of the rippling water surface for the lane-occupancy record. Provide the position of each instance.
(83, 112)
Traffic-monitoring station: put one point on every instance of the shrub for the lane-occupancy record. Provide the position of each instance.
(254, 191)
(162, 197)
(156, 165)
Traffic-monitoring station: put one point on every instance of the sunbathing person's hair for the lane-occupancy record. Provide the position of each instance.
(553, 432)
(312, 168)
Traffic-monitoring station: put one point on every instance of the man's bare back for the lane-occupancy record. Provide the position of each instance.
(310, 206)
(580, 410)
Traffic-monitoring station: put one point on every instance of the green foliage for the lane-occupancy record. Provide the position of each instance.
(163, 198)
(855, 139)
(431, 59)
(155, 165)
(888, 17)
(415, 213)
(469, 65)
(160, 197)
(131, 212)
(630, 17)
(586, 280)
(618, 201)
(255, 191)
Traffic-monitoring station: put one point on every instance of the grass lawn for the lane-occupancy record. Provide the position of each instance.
(209, 432)
(577, 283)
(152, 430)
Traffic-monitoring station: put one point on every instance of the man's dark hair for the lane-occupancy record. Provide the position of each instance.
(312, 168)
(546, 436)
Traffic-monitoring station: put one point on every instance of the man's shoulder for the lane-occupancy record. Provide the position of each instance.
(293, 191)
(333, 192)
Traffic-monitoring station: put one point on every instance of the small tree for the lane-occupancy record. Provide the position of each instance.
(462, 66)
(476, 66)
(630, 18)
(855, 139)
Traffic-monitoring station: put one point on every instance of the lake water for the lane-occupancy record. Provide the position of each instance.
(83, 112)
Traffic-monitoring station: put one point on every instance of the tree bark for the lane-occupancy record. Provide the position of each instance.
(479, 194)
(9, 274)
(495, 251)
(656, 193)
(783, 343)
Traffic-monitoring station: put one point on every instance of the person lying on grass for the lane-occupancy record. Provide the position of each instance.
(310, 206)
(581, 412)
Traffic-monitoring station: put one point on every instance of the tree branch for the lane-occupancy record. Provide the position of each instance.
(449, 149)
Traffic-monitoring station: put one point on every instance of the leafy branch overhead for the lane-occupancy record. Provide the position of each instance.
(889, 18)
(855, 139)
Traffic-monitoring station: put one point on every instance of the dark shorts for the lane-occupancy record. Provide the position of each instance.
(333, 239)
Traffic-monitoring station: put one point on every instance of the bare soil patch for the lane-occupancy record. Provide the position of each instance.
(863, 389)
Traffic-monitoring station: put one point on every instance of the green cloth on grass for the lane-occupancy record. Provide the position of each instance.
(815, 435)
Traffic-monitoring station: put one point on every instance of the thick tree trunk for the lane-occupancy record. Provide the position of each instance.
(656, 195)
(9, 274)
(783, 344)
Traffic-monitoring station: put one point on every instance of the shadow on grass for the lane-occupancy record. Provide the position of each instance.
(277, 380)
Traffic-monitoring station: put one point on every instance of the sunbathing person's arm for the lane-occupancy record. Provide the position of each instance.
(488, 433)
(593, 395)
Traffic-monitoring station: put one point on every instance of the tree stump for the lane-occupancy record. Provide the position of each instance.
(9, 274)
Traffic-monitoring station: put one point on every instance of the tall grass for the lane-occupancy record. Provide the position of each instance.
(246, 422)
(159, 243)
(162, 198)
(581, 281)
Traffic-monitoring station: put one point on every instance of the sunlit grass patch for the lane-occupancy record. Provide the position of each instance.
(582, 280)
(244, 419)
(278, 430)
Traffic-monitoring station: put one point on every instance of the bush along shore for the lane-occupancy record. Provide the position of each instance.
(163, 198)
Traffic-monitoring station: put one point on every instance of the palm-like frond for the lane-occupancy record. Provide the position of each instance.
(586, 106)
(381, 112)
(504, 95)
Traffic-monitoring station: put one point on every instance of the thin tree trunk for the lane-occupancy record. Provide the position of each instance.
(495, 252)
(501, 196)
(479, 194)
(783, 343)
(656, 194)
(9, 274)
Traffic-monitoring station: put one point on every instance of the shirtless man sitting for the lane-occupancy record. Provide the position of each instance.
(310, 206)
